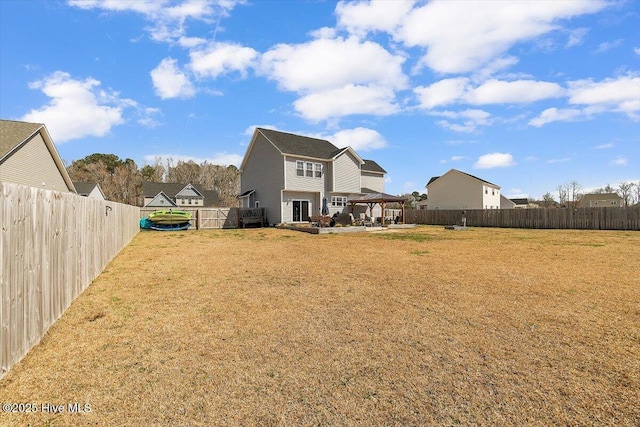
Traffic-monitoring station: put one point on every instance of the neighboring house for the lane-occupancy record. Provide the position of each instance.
(29, 157)
(291, 175)
(604, 200)
(459, 190)
(422, 204)
(524, 204)
(177, 195)
(506, 203)
(89, 189)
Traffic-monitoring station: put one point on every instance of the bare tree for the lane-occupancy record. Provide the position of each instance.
(625, 190)
(548, 200)
(155, 172)
(563, 194)
(574, 189)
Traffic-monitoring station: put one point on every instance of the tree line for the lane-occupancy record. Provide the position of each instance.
(121, 179)
(570, 194)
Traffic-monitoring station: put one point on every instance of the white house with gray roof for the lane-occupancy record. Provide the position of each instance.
(290, 175)
(459, 190)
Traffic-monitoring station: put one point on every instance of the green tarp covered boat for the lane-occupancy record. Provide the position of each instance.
(169, 217)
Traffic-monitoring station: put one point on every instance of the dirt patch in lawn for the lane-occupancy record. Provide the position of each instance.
(416, 327)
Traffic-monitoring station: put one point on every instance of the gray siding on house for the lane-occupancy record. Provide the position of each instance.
(264, 173)
(346, 171)
(455, 191)
(288, 197)
(303, 183)
(33, 156)
(373, 181)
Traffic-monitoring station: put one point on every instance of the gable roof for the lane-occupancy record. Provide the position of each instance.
(14, 135)
(160, 200)
(520, 201)
(435, 178)
(371, 166)
(85, 188)
(298, 145)
(172, 189)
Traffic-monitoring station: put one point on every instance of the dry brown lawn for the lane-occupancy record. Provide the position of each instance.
(414, 327)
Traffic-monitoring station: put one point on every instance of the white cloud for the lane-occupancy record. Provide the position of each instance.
(452, 159)
(324, 64)
(78, 108)
(637, 50)
(605, 46)
(170, 82)
(443, 92)
(167, 18)
(223, 158)
(460, 90)
(554, 114)
(360, 139)
(515, 92)
(620, 161)
(560, 160)
(494, 160)
(346, 101)
(471, 119)
(148, 115)
(576, 36)
(604, 146)
(190, 42)
(221, 58)
(362, 17)
(620, 94)
(467, 36)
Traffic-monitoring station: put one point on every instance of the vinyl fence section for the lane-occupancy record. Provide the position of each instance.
(206, 217)
(52, 246)
(627, 218)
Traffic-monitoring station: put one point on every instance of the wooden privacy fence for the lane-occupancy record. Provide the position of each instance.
(211, 217)
(52, 246)
(614, 218)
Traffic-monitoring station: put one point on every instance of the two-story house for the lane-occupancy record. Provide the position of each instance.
(601, 200)
(177, 195)
(459, 190)
(291, 175)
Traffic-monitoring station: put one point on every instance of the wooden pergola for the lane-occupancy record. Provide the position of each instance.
(373, 199)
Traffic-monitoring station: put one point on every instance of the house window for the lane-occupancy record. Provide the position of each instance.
(486, 190)
(300, 168)
(318, 169)
(493, 192)
(338, 201)
(309, 169)
(190, 200)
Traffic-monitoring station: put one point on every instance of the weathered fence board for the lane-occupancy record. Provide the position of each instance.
(52, 246)
(614, 218)
(206, 217)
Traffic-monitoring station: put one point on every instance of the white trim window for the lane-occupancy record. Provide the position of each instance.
(318, 170)
(338, 201)
(309, 170)
(299, 168)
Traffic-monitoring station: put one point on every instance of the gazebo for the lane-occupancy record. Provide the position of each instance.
(373, 199)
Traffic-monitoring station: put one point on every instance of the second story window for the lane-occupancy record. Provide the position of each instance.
(309, 169)
(300, 168)
(318, 170)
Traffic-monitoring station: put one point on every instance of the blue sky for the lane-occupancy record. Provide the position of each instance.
(527, 95)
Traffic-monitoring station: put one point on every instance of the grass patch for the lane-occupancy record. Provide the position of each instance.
(272, 327)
